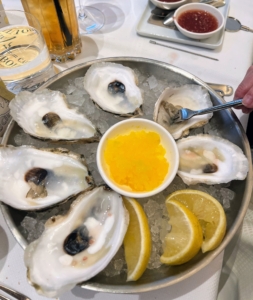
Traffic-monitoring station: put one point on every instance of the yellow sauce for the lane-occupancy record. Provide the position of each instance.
(136, 160)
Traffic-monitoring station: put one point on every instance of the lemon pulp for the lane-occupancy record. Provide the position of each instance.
(184, 240)
(209, 212)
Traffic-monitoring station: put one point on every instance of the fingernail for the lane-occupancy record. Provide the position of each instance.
(248, 101)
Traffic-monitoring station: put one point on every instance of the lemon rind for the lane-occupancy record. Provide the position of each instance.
(214, 242)
(195, 242)
(145, 249)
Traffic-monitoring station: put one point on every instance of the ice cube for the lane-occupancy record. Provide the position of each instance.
(79, 83)
(152, 82)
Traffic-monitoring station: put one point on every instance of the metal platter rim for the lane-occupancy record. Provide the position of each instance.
(124, 289)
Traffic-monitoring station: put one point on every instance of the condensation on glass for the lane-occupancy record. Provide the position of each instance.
(59, 24)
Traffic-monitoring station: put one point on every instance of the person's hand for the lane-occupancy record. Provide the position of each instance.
(245, 92)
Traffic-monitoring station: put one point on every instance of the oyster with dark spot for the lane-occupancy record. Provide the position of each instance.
(75, 247)
(33, 178)
(190, 96)
(45, 115)
(113, 87)
(210, 160)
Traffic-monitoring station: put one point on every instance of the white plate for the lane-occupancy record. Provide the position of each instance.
(157, 30)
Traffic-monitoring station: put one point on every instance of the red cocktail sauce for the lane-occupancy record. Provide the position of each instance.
(198, 21)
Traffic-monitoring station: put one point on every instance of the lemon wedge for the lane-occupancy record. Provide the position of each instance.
(137, 241)
(209, 212)
(184, 240)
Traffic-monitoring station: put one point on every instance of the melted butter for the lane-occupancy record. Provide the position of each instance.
(136, 161)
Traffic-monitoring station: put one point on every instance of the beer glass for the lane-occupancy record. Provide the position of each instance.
(59, 24)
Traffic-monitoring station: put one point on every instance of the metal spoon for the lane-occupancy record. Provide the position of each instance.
(233, 25)
(218, 4)
(17, 295)
(169, 19)
(180, 115)
(2, 297)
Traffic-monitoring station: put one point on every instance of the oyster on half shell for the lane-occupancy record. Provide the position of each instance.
(190, 96)
(211, 160)
(45, 114)
(33, 179)
(114, 88)
(77, 246)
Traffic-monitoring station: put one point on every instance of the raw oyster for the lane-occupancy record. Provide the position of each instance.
(113, 87)
(77, 246)
(190, 96)
(33, 178)
(46, 115)
(211, 160)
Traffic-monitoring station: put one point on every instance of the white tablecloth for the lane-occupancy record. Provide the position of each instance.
(118, 38)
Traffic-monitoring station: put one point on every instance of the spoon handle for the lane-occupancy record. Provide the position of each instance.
(13, 293)
(220, 107)
(2, 297)
(246, 28)
(169, 18)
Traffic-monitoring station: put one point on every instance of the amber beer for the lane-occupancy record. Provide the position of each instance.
(59, 26)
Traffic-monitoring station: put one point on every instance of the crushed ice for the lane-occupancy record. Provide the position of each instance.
(32, 225)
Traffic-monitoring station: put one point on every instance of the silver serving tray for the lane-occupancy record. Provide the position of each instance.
(230, 128)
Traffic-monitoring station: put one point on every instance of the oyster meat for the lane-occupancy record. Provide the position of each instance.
(33, 179)
(190, 96)
(211, 160)
(75, 247)
(45, 114)
(114, 88)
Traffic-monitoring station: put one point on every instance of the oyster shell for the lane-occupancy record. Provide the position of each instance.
(113, 87)
(33, 178)
(46, 115)
(77, 246)
(211, 160)
(190, 96)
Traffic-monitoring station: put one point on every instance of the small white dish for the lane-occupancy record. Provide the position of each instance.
(169, 5)
(203, 7)
(124, 127)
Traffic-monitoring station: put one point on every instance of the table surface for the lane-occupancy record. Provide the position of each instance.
(119, 38)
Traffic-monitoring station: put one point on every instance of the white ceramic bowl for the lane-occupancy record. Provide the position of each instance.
(140, 124)
(169, 5)
(204, 7)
